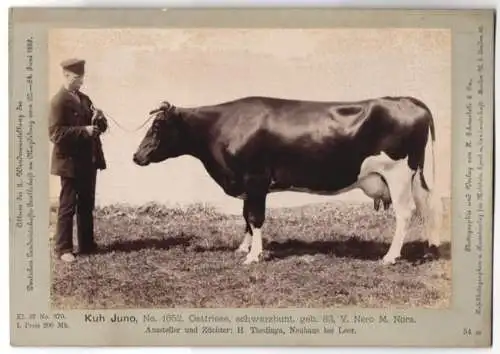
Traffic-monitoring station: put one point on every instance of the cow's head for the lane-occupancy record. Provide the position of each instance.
(164, 139)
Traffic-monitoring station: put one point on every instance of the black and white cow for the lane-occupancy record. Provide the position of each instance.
(258, 145)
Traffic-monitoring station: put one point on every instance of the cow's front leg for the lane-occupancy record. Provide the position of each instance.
(247, 239)
(256, 216)
(255, 208)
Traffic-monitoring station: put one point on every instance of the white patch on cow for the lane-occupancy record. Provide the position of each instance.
(256, 247)
(245, 244)
(404, 187)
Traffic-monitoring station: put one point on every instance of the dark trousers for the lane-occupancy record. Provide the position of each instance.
(77, 196)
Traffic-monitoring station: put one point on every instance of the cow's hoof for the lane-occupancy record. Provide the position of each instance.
(389, 260)
(251, 258)
(431, 253)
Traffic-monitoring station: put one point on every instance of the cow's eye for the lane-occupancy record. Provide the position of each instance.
(156, 127)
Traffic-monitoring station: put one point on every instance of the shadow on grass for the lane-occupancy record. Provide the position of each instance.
(413, 251)
(140, 244)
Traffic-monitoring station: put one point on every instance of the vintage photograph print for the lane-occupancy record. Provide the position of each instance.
(250, 167)
(239, 182)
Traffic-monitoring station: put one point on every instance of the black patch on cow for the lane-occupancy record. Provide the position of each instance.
(312, 145)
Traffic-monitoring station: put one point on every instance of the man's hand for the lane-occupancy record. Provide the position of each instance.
(92, 130)
(97, 113)
(99, 120)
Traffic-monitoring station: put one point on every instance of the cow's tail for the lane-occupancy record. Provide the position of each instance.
(430, 183)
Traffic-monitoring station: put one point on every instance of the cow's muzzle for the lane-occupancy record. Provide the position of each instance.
(140, 161)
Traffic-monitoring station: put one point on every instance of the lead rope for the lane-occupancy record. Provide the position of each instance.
(125, 129)
(122, 127)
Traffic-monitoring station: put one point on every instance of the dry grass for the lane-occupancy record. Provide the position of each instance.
(324, 255)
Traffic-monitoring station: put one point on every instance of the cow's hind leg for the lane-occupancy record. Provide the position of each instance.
(399, 179)
(426, 206)
(256, 188)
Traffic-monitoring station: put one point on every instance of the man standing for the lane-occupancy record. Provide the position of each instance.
(74, 129)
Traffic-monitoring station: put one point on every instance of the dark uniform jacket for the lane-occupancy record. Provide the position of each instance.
(74, 149)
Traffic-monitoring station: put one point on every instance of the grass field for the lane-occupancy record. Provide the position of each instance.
(325, 255)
